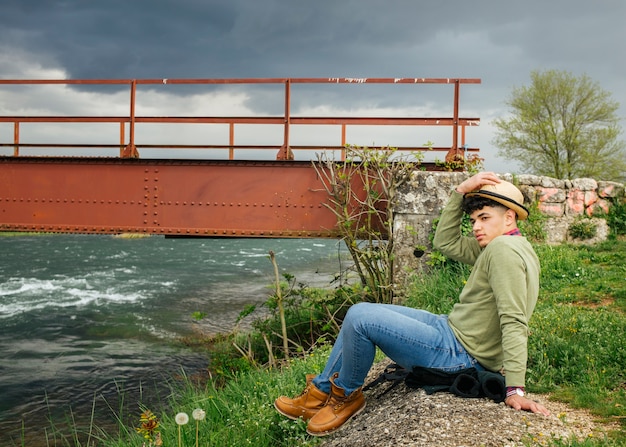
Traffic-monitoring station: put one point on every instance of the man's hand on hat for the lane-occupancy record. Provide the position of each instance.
(476, 181)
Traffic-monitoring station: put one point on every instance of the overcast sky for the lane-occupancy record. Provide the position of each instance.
(498, 41)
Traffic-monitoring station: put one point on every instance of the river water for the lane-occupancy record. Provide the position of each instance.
(95, 318)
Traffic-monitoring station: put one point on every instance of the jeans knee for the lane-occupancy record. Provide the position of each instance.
(357, 313)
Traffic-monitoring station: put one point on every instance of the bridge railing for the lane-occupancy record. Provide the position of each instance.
(130, 147)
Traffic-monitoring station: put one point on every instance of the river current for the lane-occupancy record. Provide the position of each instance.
(86, 318)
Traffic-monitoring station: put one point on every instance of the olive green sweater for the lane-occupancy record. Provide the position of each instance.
(491, 317)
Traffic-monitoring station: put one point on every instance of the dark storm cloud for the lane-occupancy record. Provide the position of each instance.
(266, 38)
(498, 41)
(117, 39)
(236, 38)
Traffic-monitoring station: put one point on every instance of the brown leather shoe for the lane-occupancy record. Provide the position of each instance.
(337, 411)
(304, 406)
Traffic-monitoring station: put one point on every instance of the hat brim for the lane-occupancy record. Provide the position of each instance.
(520, 210)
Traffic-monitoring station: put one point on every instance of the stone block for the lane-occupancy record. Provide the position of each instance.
(410, 233)
(549, 182)
(550, 195)
(591, 197)
(528, 179)
(506, 176)
(556, 229)
(427, 192)
(551, 209)
(610, 189)
(575, 202)
(599, 208)
(529, 192)
(584, 184)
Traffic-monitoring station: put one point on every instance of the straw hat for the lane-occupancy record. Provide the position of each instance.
(504, 193)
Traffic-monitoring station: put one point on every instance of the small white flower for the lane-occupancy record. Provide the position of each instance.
(198, 414)
(182, 418)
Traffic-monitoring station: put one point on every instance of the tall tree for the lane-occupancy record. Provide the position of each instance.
(564, 127)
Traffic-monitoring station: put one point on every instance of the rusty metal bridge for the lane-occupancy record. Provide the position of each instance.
(108, 186)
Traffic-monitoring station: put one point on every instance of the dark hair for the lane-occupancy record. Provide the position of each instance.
(474, 203)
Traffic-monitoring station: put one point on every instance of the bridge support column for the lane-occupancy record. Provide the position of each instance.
(419, 204)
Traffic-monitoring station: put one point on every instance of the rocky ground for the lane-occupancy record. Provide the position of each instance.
(408, 417)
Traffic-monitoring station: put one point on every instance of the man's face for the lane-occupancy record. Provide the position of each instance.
(490, 222)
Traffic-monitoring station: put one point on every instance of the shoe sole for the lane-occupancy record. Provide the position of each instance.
(329, 432)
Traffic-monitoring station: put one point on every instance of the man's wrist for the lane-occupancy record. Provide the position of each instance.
(515, 391)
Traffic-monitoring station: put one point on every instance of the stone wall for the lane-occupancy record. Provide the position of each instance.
(561, 202)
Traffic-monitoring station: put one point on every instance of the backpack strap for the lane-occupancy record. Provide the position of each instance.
(392, 373)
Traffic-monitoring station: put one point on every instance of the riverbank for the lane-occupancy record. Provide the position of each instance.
(576, 367)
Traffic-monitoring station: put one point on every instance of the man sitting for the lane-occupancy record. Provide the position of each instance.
(487, 329)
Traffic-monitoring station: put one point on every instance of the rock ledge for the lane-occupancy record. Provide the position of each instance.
(406, 417)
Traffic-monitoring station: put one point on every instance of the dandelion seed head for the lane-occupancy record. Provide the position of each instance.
(182, 418)
(198, 414)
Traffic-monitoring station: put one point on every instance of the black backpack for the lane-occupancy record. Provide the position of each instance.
(468, 382)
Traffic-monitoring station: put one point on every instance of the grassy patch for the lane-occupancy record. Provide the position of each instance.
(588, 276)
(440, 290)
(241, 413)
(577, 349)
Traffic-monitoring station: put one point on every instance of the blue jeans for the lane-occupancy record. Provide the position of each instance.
(410, 337)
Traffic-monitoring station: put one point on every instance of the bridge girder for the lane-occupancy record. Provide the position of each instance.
(167, 197)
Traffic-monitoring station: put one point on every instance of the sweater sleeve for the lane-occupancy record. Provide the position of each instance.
(448, 238)
(507, 276)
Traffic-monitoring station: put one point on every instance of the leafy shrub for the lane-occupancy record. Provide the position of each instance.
(438, 259)
(359, 191)
(582, 229)
(533, 227)
(616, 218)
(312, 316)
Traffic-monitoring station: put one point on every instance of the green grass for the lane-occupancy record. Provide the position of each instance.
(585, 275)
(577, 349)
(240, 413)
(576, 353)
